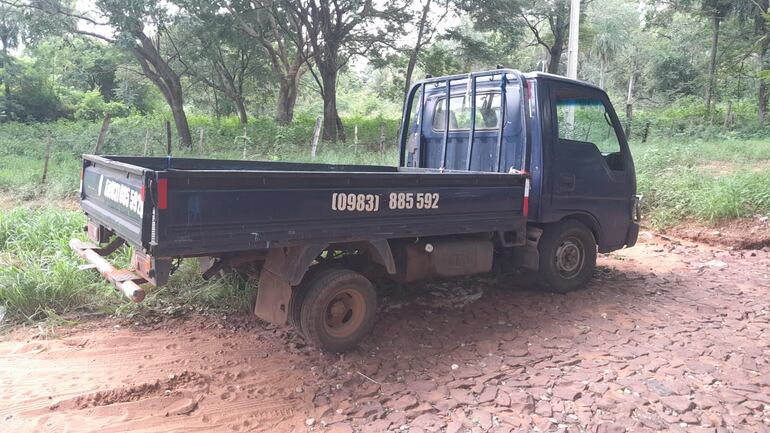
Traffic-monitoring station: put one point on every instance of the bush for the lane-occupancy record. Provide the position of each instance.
(91, 106)
(687, 117)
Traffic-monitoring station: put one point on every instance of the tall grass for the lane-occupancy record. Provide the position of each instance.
(40, 278)
(703, 180)
(38, 273)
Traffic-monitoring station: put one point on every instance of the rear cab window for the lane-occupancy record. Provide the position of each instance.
(487, 112)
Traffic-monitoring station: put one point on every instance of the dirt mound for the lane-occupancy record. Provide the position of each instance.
(742, 234)
(134, 392)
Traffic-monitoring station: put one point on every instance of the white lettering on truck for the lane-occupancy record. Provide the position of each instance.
(123, 195)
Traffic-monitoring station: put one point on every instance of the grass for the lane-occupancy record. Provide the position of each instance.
(40, 279)
(38, 274)
(703, 180)
(708, 180)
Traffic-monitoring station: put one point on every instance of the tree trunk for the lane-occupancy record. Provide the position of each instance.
(287, 98)
(168, 82)
(764, 63)
(417, 47)
(182, 127)
(712, 64)
(555, 58)
(630, 104)
(559, 32)
(602, 67)
(763, 97)
(331, 119)
(243, 117)
(410, 69)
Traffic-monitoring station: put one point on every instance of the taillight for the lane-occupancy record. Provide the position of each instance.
(525, 205)
(162, 193)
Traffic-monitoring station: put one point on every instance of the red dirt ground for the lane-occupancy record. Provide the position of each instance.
(669, 336)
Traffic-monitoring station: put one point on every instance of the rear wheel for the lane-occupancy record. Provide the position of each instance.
(338, 309)
(298, 297)
(567, 256)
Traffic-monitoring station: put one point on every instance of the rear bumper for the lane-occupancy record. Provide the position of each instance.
(124, 280)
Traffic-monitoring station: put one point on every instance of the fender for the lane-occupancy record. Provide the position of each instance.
(284, 268)
(380, 253)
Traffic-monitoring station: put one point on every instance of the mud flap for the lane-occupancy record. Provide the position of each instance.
(284, 268)
(528, 256)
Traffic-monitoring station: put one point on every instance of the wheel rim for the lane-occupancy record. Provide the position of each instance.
(344, 313)
(569, 258)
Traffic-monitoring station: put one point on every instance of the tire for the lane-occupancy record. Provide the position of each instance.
(338, 309)
(567, 256)
(298, 296)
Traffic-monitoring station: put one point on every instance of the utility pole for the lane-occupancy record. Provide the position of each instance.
(574, 32)
(572, 52)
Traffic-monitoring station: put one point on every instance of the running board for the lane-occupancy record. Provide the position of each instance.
(124, 280)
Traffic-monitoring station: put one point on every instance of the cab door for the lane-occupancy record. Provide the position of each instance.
(591, 170)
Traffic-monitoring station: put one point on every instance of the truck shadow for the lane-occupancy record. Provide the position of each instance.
(507, 319)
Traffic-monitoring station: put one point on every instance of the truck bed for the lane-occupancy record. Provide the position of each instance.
(199, 207)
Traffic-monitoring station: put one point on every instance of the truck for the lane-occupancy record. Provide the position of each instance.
(495, 167)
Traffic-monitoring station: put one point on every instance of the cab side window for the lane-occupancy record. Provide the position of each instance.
(587, 121)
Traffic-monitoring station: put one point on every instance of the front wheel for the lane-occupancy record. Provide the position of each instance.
(338, 309)
(567, 256)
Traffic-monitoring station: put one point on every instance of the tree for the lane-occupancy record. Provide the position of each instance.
(10, 29)
(337, 31)
(763, 29)
(547, 21)
(716, 10)
(283, 37)
(215, 53)
(759, 12)
(611, 24)
(426, 30)
(80, 63)
(126, 22)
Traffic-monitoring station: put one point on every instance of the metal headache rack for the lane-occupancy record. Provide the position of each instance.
(471, 83)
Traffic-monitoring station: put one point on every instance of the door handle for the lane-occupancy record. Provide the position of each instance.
(566, 182)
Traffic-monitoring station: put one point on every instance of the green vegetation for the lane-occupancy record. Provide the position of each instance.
(703, 180)
(38, 274)
(681, 178)
(40, 279)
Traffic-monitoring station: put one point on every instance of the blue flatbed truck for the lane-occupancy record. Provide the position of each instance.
(532, 170)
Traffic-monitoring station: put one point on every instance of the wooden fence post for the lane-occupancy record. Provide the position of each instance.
(102, 134)
(47, 156)
(728, 114)
(202, 139)
(316, 134)
(382, 137)
(355, 139)
(168, 138)
(146, 141)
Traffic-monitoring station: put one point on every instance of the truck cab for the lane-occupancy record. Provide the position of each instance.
(563, 134)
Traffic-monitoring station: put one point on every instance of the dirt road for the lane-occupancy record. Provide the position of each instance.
(668, 337)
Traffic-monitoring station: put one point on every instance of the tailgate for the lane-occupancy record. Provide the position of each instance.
(113, 195)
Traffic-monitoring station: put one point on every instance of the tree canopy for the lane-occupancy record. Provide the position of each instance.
(272, 57)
